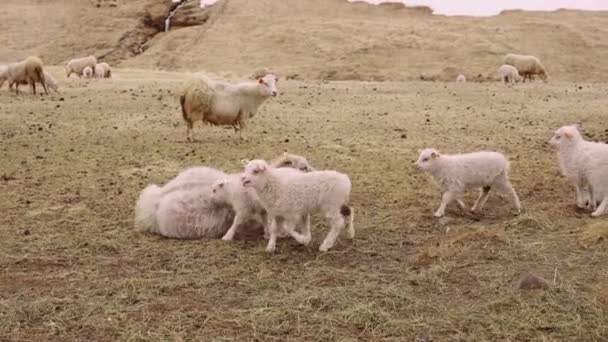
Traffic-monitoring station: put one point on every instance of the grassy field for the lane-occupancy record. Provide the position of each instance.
(73, 268)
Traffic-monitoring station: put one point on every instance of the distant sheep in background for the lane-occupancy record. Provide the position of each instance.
(461, 78)
(221, 103)
(102, 70)
(77, 65)
(87, 72)
(458, 173)
(509, 74)
(527, 66)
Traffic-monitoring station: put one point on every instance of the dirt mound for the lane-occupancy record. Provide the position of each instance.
(327, 39)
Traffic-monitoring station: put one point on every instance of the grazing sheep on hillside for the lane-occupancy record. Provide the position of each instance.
(29, 72)
(221, 103)
(508, 74)
(184, 209)
(527, 66)
(586, 164)
(289, 196)
(77, 65)
(461, 78)
(458, 173)
(3, 74)
(102, 70)
(87, 72)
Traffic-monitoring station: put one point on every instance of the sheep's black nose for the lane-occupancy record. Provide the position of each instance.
(274, 93)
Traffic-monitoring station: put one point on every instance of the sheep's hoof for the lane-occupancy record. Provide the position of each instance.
(438, 214)
(270, 249)
(324, 247)
(227, 238)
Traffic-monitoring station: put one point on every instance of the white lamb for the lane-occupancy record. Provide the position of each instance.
(77, 65)
(461, 78)
(221, 103)
(289, 196)
(527, 66)
(87, 72)
(184, 207)
(586, 164)
(102, 70)
(509, 74)
(458, 173)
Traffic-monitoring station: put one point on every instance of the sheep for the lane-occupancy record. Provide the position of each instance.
(51, 83)
(3, 74)
(184, 207)
(221, 103)
(458, 173)
(461, 78)
(527, 66)
(585, 163)
(77, 65)
(509, 74)
(289, 196)
(87, 72)
(102, 70)
(28, 71)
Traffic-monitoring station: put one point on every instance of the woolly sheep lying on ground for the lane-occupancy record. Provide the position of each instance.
(28, 71)
(461, 78)
(184, 209)
(586, 164)
(458, 173)
(289, 196)
(87, 72)
(509, 74)
(221, 103)
(51, 83)
(527, 66)
(77, 65)
(102, 70)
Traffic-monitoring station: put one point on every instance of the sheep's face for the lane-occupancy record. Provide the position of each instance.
(268, 85)
(219, 192)
(254, 170)
(565, 136)
(295, 162)
(427, 159)
(543, 76)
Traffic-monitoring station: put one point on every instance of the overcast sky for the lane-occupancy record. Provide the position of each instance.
(492, 7)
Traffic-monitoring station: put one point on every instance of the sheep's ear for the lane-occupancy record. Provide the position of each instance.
(262, 168)
(244, 162)
(434, 155)
(568, 135)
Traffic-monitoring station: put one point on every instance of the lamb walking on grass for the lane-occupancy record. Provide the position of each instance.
(458, 173)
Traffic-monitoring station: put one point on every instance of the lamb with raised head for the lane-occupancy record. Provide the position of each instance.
(508, 74)
(457, 173)
(222, 103)
(184, 207)
(102, 70)
(527, 66)
(28, 71)
(289, 196)
(77, 65)
(461, 78)
(585, 163)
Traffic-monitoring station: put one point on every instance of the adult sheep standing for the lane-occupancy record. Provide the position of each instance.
(77, 65)
(50, 81)
(28, 71)
(222, 103)
(527, 66)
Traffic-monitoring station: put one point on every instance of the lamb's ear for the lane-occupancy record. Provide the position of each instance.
(244, 162)
(568, 135)
(434, 155)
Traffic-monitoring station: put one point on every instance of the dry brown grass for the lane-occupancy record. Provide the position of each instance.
(72, 268)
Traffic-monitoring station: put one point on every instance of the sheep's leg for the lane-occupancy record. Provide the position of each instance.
(306, 231)
(592, 205)
(446, 199)
(336, 222)
(351, 224)
(46, 92)
(289, 227)
(602, 208)
(272, 240)
(238, 220)
(189, 125)
(580, 195)
(484, 193)
(33, 86)
(504, 187)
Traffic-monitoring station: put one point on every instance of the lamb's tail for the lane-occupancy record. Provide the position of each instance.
(349, 215)
(145, 209)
